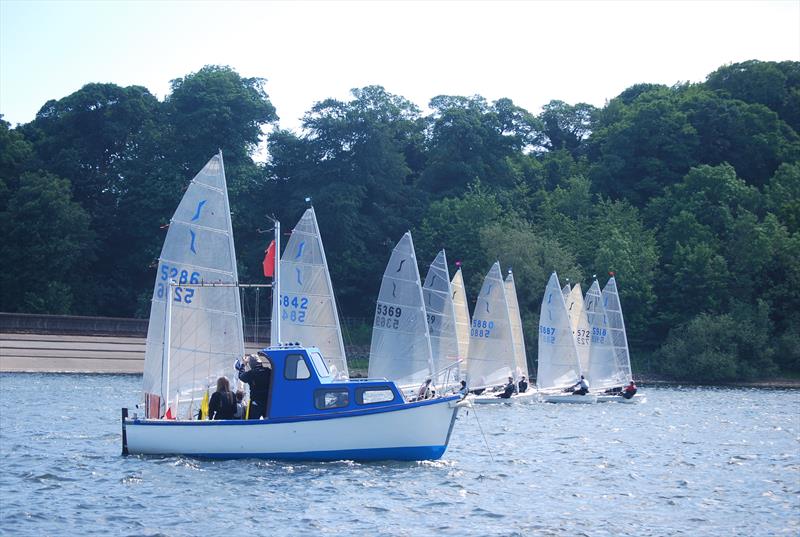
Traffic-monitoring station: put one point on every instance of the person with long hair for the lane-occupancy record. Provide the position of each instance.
(222, 405)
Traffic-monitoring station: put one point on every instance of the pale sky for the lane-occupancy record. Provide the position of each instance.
(531, 52)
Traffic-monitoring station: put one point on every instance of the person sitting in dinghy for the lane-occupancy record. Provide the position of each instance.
(257, 377)
(581, 387)
(629, 391)
(523, 384)
(463, 391)
(509, 390)
(222, 405)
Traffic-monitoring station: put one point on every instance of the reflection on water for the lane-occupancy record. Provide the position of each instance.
(687, 462)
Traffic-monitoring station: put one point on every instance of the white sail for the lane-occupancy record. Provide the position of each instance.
(616, 325)
(602, 372)
(565, 291)
(441, 315)
(579, 324)
(206, 322)
(558, 365)
(517, 335)
(401, 345)
(462, 319)
(491, 347)
(307, 306)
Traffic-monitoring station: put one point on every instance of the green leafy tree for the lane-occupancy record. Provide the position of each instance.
(47, 249)
(567, 126)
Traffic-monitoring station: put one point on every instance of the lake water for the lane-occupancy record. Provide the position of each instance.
(689, 461)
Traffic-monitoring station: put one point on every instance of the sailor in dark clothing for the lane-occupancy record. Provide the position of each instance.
(508, 391)
(523, 384)
(629, 391)
(222, 405)
(258, 378)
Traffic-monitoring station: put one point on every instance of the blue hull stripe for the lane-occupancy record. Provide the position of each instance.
(375, 454)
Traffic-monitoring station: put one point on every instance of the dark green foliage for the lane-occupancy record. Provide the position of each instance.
(690, 194)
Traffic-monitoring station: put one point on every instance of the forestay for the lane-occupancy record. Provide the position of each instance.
(307, 306)
(462, 318)
(616, 326)
(441, 315)
(491, 349)
(558, 366)
(517, 335)
(401, 345)
(579, 324)
(205, 322)
(602, 372)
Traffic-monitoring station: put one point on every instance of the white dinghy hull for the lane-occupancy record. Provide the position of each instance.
(492, 399)
(636, 399)
(409, 431)
(569, 398)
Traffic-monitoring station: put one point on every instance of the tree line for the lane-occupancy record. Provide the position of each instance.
(689, 193)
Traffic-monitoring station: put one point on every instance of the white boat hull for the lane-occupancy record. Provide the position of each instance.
(569, 398)
(411, 431)
(636, 399)
(493, 399)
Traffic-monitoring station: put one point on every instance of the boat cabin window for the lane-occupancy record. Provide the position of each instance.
(374, 394)
(326, 399)
(319, 364)
(296, 368)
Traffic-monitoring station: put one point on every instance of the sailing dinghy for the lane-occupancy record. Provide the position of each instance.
(494, 354)
(462, 320)
(195, 335)
(610, 365)
(559, 366)
(307, 306)
(441, 314)
(400, 349)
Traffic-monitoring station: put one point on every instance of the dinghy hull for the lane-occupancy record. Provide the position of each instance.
(409, 431)
(636, 399)
(587, 399)
(492, 399)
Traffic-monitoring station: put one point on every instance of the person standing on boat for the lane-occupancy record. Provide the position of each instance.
(523, 384)
(222, 405)
(581, 387)
(509, 390)
(258, 378)
(629, 391)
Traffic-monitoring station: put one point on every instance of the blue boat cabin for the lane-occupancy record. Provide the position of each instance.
(302, 385)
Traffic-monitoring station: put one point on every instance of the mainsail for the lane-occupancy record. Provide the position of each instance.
(559, 366)
(401, 344)
(491, 348)
(462, 318)
(579, 324)
(517, 335)
(307, 307)
(441, 314)
(616, 326)
(205, 325)
(602, 372)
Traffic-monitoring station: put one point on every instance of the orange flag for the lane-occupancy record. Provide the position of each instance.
(269, 261)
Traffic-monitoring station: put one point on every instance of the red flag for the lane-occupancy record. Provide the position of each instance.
(269, 261)
(169, 415)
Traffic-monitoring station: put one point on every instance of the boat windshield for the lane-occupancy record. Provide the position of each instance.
(320, 365)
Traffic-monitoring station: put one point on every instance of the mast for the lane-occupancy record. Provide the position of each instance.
(275, 328)
(166, 355)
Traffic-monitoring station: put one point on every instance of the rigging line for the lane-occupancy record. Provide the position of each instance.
(491, 456)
